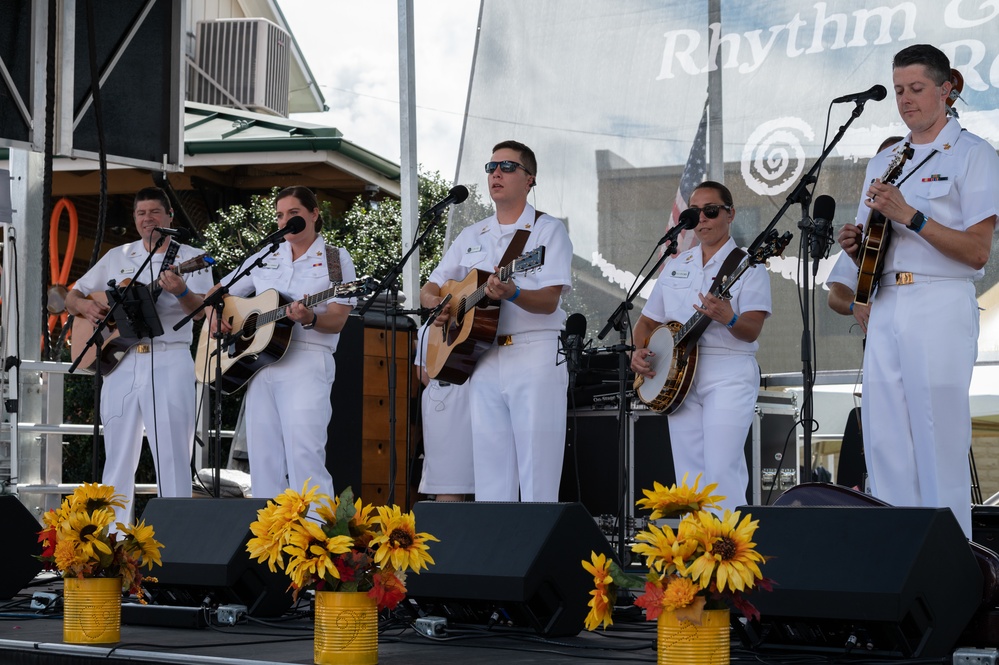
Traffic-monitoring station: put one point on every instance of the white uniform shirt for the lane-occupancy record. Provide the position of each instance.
(481, 246)
(844, 271)
(123, 263)
(683, 277)
(308, 275)
(962, 158)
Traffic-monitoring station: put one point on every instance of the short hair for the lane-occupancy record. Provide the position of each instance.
(890, 141)
(152, 194)
(726, 195)
(527, 158)
(937, 64)
(306, 197)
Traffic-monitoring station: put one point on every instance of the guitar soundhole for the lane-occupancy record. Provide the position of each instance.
(459, 314)
(249, 326)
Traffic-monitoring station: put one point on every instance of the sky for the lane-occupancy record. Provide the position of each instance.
(353, 50)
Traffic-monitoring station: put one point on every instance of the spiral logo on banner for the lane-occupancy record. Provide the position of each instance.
(773, 156)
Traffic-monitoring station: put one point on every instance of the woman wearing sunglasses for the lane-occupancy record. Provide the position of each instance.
(708, 430)
(517, 391)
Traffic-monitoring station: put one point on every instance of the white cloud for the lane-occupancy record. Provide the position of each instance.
(353, 51)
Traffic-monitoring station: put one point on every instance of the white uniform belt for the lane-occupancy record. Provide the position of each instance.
(310, 346)
(146, 347)
(906, 278)
(721, 351)
(523, 338)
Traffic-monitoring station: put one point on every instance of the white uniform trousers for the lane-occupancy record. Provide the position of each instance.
(518, 407)
(708, 432)
(127, 403)
(447, 440)
(287, 412)
(922, 342)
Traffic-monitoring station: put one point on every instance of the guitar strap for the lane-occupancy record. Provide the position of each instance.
(728, 267)
(333, 263)
(168, 258)
(516, 246)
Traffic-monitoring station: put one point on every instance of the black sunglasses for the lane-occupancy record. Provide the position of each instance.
(711, 211)
(506, 166)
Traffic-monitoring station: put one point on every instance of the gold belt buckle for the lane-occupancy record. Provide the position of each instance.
(142, 348)
(504, 340)
(903, 278)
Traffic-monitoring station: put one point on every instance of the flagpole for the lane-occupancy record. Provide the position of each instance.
(716, 126)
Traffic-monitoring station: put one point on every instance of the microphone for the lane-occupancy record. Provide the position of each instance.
(876, 92)
(575, 332)
(436, 311)
(457, 194)
(688, 220)
(181, 234)
(822, 230)
(295, 225)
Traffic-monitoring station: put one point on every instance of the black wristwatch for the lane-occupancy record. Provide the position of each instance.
(311, 324)
(917, 222)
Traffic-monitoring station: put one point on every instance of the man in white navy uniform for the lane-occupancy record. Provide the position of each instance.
(517, 389)
(708, 431)
(922, 337)
(162, 367)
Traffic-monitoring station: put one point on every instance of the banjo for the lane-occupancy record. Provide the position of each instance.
(675, 344)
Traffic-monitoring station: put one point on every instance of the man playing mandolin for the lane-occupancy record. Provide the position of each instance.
(708, 429)
(923, 330)
(163, 364)
(517, 392)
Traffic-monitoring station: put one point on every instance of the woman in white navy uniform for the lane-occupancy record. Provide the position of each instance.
(922, 337)
(288, 402)
(708, 431)
(448, 474)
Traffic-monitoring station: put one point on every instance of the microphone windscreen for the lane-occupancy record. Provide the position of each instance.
(825, 208)
(878, 92)
(576, 325)
(689, 218)
(458, 193)
(296, 224)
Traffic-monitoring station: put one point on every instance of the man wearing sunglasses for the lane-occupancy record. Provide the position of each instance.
(708, 430)
(517, 391)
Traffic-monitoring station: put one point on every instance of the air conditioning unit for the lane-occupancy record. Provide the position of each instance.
(242, 62)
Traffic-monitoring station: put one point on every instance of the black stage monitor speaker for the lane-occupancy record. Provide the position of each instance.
(516, 564)
(204, 555)
(869, 581)
(17, 557)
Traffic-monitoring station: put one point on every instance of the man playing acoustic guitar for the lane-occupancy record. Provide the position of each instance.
(708, 430)
(163, 365)
(517, 390)
(922, 336)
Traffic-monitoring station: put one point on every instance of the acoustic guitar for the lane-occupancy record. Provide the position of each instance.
(877, 230)
(113, 345)
(261, 332)
(453, 349)
(674, 345)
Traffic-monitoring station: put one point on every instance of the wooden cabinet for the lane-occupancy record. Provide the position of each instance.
(358, 444)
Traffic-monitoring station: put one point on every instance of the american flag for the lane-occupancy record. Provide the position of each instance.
(693, 175)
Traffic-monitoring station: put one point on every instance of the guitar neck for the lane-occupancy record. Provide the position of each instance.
(480, 293)
(309, 301)
(699, 321)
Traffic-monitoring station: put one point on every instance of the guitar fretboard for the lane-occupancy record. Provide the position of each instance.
(680, 335)
(309, 301)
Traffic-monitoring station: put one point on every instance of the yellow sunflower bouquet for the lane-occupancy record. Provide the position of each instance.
(349, 547)
(709, 562)
(78, 542)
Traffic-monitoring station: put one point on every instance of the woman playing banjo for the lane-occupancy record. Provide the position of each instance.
(708, 425)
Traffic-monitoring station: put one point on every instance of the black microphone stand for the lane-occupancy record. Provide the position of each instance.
(215, 300)
(624, 413)
(392, 311)
(800, 195)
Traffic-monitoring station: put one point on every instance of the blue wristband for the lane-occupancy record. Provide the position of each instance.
(851, 308)
(186, 291)
(516, 294)
(731, 324)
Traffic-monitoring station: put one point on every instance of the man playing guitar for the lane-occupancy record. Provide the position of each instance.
(517, 390)
(708, 430)
(924, 323)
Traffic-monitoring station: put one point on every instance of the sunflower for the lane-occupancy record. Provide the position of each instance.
(398, 543)
(89, 497)
(676, 501)
(664, 550)
(139, 542)
(601, 604)
(88, 531)
(729, 558)
(311, 553)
